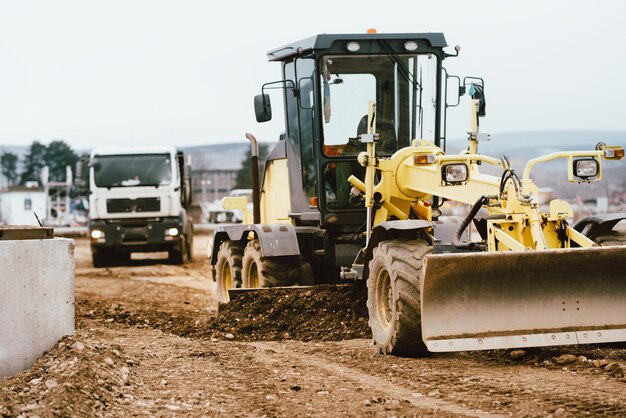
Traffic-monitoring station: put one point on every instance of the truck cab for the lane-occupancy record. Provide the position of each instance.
(139, 198)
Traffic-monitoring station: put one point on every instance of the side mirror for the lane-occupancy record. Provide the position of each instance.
(478, 93)
(262, 107)
(95, 164)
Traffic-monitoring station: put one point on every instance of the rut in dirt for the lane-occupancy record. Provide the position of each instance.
(321, 313)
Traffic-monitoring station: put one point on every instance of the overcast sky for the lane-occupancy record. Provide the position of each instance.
(120, 72)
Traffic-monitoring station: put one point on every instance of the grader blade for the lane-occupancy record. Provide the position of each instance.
(524, 299)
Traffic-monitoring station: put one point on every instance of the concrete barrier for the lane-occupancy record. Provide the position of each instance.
(36, 299)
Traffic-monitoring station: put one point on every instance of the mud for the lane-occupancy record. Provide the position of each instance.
(326, 313)
(149, 342)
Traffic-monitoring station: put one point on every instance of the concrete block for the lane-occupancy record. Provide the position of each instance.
(36, 299)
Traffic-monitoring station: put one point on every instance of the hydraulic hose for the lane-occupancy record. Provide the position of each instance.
(457, 242)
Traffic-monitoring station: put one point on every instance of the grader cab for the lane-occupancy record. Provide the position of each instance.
(353, 192)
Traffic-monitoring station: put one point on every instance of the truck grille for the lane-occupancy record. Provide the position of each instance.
(141, 204)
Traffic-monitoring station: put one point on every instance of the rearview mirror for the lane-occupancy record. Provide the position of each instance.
(262, 107)
(478, 93)
(95, 164)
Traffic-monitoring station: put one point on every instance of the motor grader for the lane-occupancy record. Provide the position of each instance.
(354, 191)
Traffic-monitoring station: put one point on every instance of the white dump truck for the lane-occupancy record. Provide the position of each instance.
(139, 200)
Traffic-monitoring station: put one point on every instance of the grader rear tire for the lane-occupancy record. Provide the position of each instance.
(261, 271)
(228, 269)
(393, 296)
(611, 238)
(305, 273)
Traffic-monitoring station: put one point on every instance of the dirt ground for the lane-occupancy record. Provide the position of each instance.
(148, 343)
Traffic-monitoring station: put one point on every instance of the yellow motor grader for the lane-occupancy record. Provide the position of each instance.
(354, 191)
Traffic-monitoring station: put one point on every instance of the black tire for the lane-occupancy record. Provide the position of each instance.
(180, 256)
(611, 238)
(122, 258)
(100, 258)
(267, 271)
(393, 296)
(228, 269)
(190, 247)
(305, 274)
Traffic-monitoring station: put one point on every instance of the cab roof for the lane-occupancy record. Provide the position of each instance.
(325, 42)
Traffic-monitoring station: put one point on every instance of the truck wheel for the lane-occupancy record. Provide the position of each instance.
(190, 248)
(228, 268)
(265, 271)
(180, 256)
(122, 258)
(611, 238)
(393, 296)
(100, 258)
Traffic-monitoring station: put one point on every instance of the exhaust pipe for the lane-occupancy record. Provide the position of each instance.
(256, 197)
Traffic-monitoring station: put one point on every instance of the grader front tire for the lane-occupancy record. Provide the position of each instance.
(228, 269)
(393, 301)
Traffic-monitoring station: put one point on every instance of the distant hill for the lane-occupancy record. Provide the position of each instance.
(522, 146)
(15, 149)
(220, 156)
(519, 147)
(226, 156)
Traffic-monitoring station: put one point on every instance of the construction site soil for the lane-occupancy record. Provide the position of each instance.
(149, 342)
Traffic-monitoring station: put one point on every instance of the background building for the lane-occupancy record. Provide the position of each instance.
(17, 205)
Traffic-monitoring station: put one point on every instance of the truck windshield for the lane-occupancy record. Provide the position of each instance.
(132, 170)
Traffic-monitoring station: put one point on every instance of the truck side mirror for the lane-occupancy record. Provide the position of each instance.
(262, 107)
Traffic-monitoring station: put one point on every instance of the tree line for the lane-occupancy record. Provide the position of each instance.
(56, 155)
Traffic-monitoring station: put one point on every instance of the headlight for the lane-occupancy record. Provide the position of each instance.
(410, 46)
(585, 168)
(455, 173)
(353, 46)
(97, 234)
(172, 232)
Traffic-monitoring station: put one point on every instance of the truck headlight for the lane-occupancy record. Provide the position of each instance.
(454, 173)
(585, 168)
(172, 232)
(97, 236)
